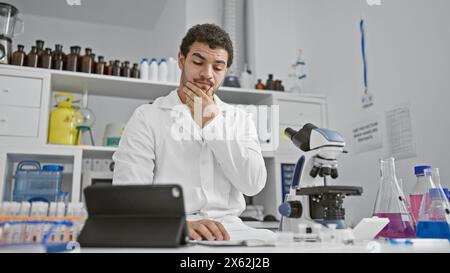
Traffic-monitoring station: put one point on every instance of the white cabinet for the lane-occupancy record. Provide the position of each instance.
(20, 91)
(19, 121)
(24, 103)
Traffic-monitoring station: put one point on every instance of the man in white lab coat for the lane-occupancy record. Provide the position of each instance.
(190, 137)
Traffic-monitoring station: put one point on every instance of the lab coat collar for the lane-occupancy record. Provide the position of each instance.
(173, 102)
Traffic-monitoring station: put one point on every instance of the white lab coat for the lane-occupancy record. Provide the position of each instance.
(162, 144)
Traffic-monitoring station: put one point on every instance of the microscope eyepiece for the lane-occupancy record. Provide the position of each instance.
(290, 132)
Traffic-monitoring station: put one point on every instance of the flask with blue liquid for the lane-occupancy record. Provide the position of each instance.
(434, 214)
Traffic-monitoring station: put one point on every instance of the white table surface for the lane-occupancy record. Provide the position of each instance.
(366, 247)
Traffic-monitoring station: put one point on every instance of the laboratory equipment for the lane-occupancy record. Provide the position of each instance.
(40, 226)
(64, 121)
(86, 120)
(36, 183)
(391, 203)
(297, 74)
(434, 214)
(419, 189)
(8, 19)
(311, 198)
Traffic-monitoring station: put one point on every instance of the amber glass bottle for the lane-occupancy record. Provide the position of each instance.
(18, 57)
(32, 58)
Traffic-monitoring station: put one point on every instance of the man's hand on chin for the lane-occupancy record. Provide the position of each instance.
(201, 103)
(207, 230)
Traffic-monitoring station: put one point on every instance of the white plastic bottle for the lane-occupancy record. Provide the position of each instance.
(246, 78)
(144, 69)
(172, 64)
(153, 75)
(163, 71)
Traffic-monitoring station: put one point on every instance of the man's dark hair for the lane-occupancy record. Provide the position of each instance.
(210, 34)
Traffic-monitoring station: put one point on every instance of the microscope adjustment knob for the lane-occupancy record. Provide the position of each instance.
(314, 171)
(325, 171)
(291, 209)
(334, 173)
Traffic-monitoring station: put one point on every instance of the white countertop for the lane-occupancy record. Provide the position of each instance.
(366, 247)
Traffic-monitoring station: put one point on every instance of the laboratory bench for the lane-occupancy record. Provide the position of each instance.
(441, 246)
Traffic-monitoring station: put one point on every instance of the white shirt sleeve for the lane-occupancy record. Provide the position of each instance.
(235, 145)
(135, 158)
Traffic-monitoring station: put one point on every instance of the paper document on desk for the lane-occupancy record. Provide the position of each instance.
(249, 243)
(242, 235)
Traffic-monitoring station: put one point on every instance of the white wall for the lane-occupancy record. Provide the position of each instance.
(408, 45)
(113, 42)
(272, 44)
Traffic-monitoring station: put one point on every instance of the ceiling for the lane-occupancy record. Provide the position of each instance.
(137, 14)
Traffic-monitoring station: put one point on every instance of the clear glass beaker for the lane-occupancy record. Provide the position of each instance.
(434, 213)
(391, 204)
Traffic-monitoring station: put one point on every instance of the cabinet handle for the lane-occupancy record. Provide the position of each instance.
(3, 120)
(5, 90)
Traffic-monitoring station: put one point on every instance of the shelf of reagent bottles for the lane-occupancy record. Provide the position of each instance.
(114, 86)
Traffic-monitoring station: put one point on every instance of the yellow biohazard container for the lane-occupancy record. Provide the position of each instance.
(64, 121)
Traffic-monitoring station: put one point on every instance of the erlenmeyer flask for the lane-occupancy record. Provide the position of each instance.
(391, 204)
(434, 213)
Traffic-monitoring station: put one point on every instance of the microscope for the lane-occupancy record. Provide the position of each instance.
(312, 198)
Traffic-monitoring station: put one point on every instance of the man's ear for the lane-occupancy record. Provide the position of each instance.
(181, 60)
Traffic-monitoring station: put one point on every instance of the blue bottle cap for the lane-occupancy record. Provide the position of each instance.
(162, 60)
(144, 60)
(447, 193)
(419, 170)
(154, 60)
(53, 168)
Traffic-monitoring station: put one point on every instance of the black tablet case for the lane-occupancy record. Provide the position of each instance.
(134, 216)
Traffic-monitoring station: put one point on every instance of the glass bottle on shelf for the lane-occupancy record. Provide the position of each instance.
(125, 70)
(32, 58)
(259, 85)
(270, 82)
(45, 61)
(18, 57)
(72, 59)
(58, 57)
(109, 68)
(86, 61)
(135, 71)
(391, 204)
(93, 63)
(100, 66)
(116, 68)
(40, 47)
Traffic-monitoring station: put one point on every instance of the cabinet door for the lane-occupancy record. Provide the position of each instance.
(295, 114)
(19, 121)
(20, 91)
(299, 113)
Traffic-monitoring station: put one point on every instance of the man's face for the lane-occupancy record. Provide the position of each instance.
(203, 66)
